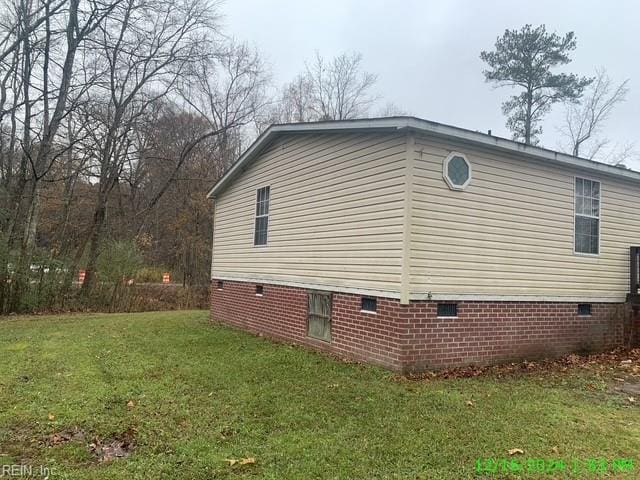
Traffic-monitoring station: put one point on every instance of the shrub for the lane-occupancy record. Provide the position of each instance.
(149, 275)
(118, 261)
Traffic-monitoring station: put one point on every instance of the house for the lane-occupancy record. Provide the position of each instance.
(415, 245)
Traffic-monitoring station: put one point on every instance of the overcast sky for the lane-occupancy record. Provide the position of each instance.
(426, 53)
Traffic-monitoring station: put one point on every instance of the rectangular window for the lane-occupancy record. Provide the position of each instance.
(587, 216)
(369, 304)
(584, 309)
(447, 310)
(220, 284)
(259, 290)
(262, 216)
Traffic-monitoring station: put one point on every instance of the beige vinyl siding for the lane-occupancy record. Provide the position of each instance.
(335, 215)
(511, 232)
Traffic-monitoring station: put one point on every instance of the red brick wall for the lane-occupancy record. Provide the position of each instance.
(411, 337)
(281, 312)
(492, 332)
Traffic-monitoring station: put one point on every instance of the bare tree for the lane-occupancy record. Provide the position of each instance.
(46, 36)
(390, 109)
(584, 120)
(295, 103)
(144, 49)
(336, 89)
(340, 89)
(621, 155)
(228, 89)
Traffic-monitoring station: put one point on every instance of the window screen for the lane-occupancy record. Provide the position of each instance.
(262, 216)
(587, 216)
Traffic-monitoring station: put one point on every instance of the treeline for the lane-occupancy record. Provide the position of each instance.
(116, 117)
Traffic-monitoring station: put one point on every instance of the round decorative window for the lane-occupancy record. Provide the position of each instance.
(456, 171)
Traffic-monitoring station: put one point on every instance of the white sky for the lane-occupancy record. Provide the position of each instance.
(426, 53)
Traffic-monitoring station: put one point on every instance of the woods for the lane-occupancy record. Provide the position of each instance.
(116, 117)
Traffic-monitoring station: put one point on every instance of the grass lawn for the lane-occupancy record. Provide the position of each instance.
(191, 395)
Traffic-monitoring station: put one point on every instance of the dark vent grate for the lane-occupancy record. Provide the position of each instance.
(369, 304)
(447, 310)
(584, 309)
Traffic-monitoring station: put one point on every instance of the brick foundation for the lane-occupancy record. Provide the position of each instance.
(412, 337)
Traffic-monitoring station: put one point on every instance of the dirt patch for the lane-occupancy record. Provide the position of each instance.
(623, 361)
(110, 449)
(65, 436)
(104, 450)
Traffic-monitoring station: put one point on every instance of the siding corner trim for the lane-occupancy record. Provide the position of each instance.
(405, 279)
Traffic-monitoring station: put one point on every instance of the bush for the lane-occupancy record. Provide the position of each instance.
(118, 261)
(149, 275)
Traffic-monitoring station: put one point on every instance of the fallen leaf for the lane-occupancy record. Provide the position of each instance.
(516, 451)
(242, 461)
(52, 417)
(631, 399)
(131, 403)
(469, 403)
(555, 449)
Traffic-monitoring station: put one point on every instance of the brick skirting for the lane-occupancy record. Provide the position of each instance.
(412, 337)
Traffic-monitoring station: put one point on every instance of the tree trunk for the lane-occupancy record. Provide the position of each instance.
(527, 123)
(95, 241)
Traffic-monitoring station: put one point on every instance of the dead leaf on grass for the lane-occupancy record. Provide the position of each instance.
(242, 461)
(516, 451)
(131, 404)
(631, 399)
(469, 403)
(555, 449)
(52, 417)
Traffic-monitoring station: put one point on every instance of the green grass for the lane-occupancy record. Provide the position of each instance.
(206, 393)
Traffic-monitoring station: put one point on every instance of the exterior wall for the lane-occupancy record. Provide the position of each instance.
(411, 337)
(495, 332)
(281, 313)
(510, 234)
(336, 214)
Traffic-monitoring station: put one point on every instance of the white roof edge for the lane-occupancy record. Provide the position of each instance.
(398, 123)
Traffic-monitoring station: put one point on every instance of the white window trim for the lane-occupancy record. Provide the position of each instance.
(255, 216)
(445, 175)
(583, 254)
